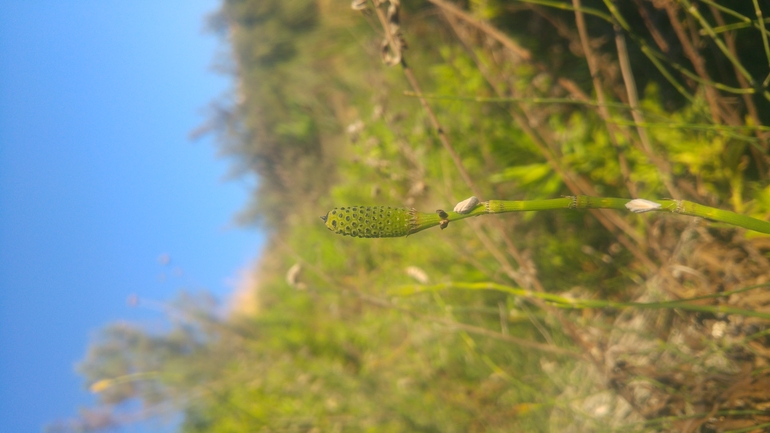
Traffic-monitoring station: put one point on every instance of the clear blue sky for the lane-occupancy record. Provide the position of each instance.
(98, 179)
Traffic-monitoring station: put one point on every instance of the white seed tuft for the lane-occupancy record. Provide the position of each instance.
(718, 329)
(292, 277)
(358, 5)
(640, 205)
(418, 274)
(466, 205)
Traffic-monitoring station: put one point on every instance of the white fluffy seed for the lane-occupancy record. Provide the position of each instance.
(466, 205)
(640, 205)
(292, 277)
(418, 274)
(718, 329)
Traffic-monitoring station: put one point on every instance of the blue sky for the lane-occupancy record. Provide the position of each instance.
(98, 179)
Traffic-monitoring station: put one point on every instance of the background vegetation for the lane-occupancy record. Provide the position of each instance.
(422, 104)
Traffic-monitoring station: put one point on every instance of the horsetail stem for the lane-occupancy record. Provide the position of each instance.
(386, 221)
(576, 303)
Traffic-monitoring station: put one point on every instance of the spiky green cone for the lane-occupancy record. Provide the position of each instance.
(377, 221)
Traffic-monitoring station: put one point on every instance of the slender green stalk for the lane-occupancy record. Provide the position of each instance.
(382, 221)
(736, 26)
(706, 26)
(528, 100)
(567, 7)
(572, 303)
(714, 84)
(761, 22)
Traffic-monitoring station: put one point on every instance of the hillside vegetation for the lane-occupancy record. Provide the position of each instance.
(421, 104)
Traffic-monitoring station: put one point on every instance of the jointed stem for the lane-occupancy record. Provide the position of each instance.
(378, 221)
(682, 207)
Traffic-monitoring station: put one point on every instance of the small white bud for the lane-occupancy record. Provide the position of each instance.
(718, 329)
(418, 274)
(466, 205)
(640, 205)
(358, 5)
(292, 277)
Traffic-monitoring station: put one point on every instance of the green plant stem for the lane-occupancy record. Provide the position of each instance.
(682, 207)
(761, 22)
(567, 7)
(735, 26)
(572, 303)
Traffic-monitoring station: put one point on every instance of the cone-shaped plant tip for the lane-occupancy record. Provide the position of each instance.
(377, 221)
(390, 222)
